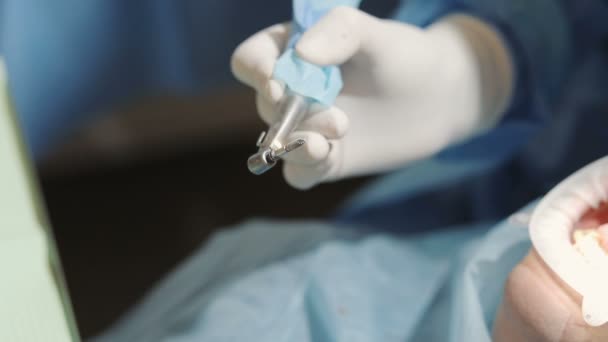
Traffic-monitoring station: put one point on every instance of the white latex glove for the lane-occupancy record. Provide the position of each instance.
(407, 92)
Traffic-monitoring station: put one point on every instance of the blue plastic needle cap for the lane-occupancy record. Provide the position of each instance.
(322, 84)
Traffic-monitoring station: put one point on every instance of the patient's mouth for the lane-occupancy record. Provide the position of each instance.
(594, 217)
(592, 225)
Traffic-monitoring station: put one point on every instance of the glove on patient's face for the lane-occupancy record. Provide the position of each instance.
(538, 305)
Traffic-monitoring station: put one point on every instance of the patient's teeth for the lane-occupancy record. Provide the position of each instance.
(588, 243)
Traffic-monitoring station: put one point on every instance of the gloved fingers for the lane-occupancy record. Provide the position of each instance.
(330, 122)
(304, 177)
(337, 36)
(312, 152)
(253, 61)
(268, 110)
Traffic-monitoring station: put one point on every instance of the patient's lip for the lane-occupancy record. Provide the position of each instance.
(595, 217)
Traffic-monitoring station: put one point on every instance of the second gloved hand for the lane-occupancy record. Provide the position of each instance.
(407, 93)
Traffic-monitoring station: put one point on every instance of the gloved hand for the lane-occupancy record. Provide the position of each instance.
(407, 92)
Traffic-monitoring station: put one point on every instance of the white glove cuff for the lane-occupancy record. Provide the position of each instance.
(488, 81)
(551, 228)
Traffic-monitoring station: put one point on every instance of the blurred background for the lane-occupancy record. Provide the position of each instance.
(141, 135)
(136, 191)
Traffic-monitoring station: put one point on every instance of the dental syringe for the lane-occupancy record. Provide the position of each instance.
(274, 144)
(305, 83)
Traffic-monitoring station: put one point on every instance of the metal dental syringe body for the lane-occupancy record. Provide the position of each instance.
(314, 83)
(274, 144)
